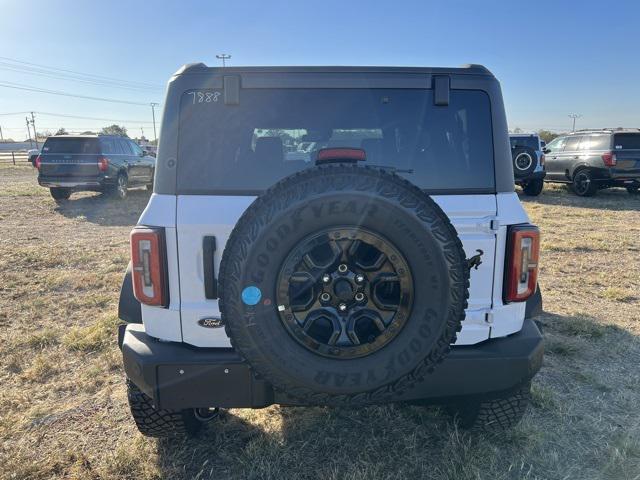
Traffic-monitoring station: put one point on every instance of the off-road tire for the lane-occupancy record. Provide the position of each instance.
(533, 188)
(634, 190)
(525, 160)
(583, 184)
(60, 193)
(160, 423)
(498, 413)
(257, 332)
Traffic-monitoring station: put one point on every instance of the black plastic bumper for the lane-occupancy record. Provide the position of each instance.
(532, 176)
(178, 376)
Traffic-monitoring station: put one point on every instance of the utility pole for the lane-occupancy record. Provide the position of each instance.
(153, 114)
(224, 57)
(29, 132)
(35, 135)
(1, 137)
(574, 116)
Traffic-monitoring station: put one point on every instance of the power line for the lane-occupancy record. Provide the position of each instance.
(66, 94)
(93, 118)
(89, 81)
(100, 119)
(91, 75)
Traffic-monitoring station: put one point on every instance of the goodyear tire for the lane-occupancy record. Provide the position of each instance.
(492, 414)
(525, 160)
(343, 285)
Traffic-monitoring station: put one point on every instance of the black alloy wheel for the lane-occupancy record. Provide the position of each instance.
(344, 292)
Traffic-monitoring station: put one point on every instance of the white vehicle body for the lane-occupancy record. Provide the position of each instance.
(480, 220)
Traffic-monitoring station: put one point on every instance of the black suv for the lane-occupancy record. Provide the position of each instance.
(90, 162)
(595, 159)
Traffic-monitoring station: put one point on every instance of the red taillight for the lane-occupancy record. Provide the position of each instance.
(327, 155)
(149, 268)
(103, 164)
(37, 162)
(609, 159)
(542, 160)
(523, 251)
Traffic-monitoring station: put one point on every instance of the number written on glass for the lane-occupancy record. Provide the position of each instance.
(204, 96)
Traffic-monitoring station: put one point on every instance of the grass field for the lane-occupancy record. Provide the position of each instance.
(63, 410)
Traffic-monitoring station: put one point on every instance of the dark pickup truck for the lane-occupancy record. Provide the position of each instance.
(102, 163)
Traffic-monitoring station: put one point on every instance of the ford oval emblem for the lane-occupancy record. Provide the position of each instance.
(211, 322)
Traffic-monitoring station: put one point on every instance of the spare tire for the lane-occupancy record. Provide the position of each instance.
(343, 285)
(525, 160)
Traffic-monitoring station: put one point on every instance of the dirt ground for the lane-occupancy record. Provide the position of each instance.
(63, 410)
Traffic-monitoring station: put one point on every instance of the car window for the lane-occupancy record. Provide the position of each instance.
(250, 146)
(595, 142)
(126, 147)
(557, 144)
(572, 143)
(525, 141)
(108, 147)
(136, 148)
(626, 141)
(70, 146)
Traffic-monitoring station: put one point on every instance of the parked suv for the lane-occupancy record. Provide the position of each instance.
(102, 163)
(397, 266)
(595, 159)
(528, 162)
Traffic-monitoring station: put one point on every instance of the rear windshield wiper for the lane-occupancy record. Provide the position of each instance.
(394, 169)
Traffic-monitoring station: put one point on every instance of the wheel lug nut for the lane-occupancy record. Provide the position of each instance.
(359, 278)
(325, 297)
(342, 307)
(326, 278)
(359, 297)
(342, 268)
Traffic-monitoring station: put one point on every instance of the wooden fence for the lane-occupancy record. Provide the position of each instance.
(14, 157)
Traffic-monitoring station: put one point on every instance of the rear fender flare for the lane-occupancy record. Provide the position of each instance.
(129, 308)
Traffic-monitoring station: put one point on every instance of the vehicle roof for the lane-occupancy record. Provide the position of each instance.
(524, 135)
(88, 136)
(470, 69)
(605, 130)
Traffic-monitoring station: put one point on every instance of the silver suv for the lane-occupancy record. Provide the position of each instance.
(593, 159)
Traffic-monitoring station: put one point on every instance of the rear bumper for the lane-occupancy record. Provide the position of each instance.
(532, 176)
(177, 376)
(73, 182)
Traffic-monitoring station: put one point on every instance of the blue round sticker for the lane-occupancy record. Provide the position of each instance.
(251, 295)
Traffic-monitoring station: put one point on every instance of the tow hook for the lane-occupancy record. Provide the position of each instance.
(476, 260)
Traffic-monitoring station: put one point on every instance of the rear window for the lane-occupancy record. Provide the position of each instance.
(626, 141)
(596, 142)
(527, 141)
(70, 145)
(272, 133)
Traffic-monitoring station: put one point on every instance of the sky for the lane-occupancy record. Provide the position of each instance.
(552, 58)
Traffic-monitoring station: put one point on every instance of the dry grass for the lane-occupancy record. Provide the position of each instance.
(63, 411)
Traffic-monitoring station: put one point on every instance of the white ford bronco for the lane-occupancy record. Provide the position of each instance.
(392, 262)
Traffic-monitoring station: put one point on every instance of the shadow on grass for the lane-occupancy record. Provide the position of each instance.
(104, 209)
(403, 441)
(617, 199)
